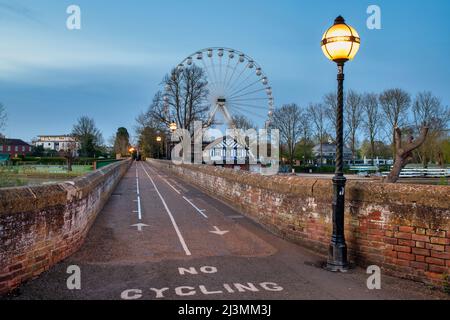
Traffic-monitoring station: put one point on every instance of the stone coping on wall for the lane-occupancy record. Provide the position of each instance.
(34, 198)
(377, 192)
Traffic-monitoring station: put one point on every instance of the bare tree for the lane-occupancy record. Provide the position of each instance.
(89, 136)
(404, 151)
(395, 104)
(330, 102)
(306, 127)
(318, 113)
(428, 111)
(372, 121)
(304, 147)
(353, 118)
(185, 99)
(242, 122)
(288, 119)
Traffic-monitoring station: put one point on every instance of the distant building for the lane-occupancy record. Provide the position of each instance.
(14, 147)
(329, 154)
(57, 143)
(230, 153)
(228, 149)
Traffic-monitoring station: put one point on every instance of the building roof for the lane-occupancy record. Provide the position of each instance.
(14, 142)
(220, 143)
(54, 135)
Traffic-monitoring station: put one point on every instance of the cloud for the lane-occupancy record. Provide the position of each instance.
(44, 60)
(67, 68)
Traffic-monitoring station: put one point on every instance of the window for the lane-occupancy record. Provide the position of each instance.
(1, 147)
(23, 148)
(16, 148)
(9, 148)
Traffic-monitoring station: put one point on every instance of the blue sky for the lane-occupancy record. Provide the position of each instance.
(110, 70)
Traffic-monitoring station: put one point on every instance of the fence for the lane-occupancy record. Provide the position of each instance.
(421, 172)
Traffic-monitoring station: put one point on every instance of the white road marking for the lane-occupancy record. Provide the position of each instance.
(175, 189)
(178, 185)
(139, 211)
(140, 226)
(219, 232)
(196, 208)
(175, 226)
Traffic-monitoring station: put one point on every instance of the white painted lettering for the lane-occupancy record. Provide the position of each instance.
(131, 294)
(206, 292)
(249, 287)
(180, 291)
(208, 269)
(271, 286)
(183, 271)
(159, 292)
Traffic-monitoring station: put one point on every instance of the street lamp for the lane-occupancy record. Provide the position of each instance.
(159, 139)
(173, 127)
(340, 43)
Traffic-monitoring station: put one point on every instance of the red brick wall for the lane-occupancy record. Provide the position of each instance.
(40, 226)
(405, 229)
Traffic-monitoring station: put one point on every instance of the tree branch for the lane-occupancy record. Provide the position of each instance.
(418, 142)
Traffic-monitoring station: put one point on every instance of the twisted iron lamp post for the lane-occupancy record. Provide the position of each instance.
(340, 43)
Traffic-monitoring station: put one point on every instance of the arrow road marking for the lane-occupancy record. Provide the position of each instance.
(140, 226)
(219, 232)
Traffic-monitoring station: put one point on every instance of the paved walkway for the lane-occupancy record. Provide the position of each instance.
(160, 238)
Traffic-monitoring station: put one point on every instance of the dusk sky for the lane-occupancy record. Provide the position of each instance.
(112, 67)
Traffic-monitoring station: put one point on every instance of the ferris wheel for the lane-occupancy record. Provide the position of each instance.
(236, 85)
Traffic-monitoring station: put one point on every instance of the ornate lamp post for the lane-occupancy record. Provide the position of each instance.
(172, 127)
(340, 43)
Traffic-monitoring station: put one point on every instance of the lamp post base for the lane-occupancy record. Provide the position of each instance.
(337, 254)
(337, 258)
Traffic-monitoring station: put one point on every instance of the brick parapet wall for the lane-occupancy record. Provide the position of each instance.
(405, 229)
(42, 225)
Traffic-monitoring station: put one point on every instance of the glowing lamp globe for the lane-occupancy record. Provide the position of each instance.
(341, 42)
(158, 139)
(173, 127)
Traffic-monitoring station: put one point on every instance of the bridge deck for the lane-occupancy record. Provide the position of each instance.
(181, 227)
